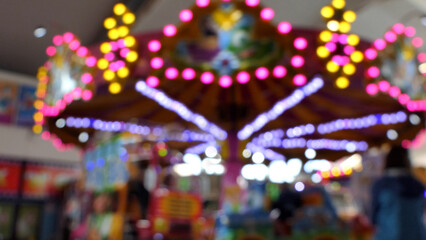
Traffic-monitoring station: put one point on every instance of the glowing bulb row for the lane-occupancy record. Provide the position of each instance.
(121, 52)
(336, 38)
(64, 42)
(373, 72)
(242, 77)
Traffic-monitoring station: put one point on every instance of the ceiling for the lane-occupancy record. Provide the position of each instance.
(21, 52)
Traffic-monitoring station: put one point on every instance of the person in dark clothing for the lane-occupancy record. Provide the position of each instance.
(398, 201)
(287, 203)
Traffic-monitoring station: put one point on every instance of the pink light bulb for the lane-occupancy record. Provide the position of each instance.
(300, 43)
(154, 45)
(68, 37)
(252, 3)
(86, 78)
(331, 46)
(119, 44)
(120, 64)
(284, 27)
(225, 81)
(82, 51)
(337, 59)
(50, 51)
(58, 40)
(243, 77)
(394, 91)
(390, 36)
(417, 42)
(171, 73)
(87, 95)
(373, 72)
(74, 45)
(91, 61)
(170, 30)
(45, 135)
(113, 67)
(403, 99)
(109, 56)
(124, 52)
(207, 77)
(297, 61)
(398, 28)
(68, 97)
(299, 80)
(380, 44)
(202, 3)
(343, 39)
(157, 63)
(372, 89)
(188, 74)
(267, 14)
(77, 92)
(421, 57)
(335, 37)
(348, 50)
(186, 15)
(370, 54)
(279, 71)
(152, 81)
(262, 73)
(384, 86)
(410, 31)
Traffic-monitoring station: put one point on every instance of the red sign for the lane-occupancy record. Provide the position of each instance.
(176, 205)
(42, 181)
(9, 177)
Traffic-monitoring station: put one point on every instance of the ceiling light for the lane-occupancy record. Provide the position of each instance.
(40, 32)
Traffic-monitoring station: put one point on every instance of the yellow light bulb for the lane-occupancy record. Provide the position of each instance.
(129, 41)
(38, 104)
(353, 39)
(103, 64)
(132, 56)
(322, 52)
(339, 4)
(105, 47)
(347, 171)
(325, 36)
(349, 16)
(349, 69)
(38, 117)
(41, 86)
(114, 88)
(110, 23)
(332, 67)
(109, 75)
(129, 18)
(344, 27)
(123, 72)
(119, 9)
(113, 34)
(333, 25)
(37, 129)
(327, 12)
(123, 31)
(335, 171)
(357, 57)
(342, 82)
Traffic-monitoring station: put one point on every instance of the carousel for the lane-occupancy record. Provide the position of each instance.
(216, 112)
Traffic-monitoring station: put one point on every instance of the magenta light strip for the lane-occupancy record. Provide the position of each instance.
(280, 107)
(180, 109)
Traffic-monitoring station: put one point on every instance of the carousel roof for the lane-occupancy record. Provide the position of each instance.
(272, 113)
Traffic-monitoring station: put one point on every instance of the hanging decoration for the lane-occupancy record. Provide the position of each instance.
(227, 42)
(120, 54)
(338, 46)
(67, 76)
(397, 68)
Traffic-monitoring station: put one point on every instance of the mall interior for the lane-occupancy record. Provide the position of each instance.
(213, 119)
